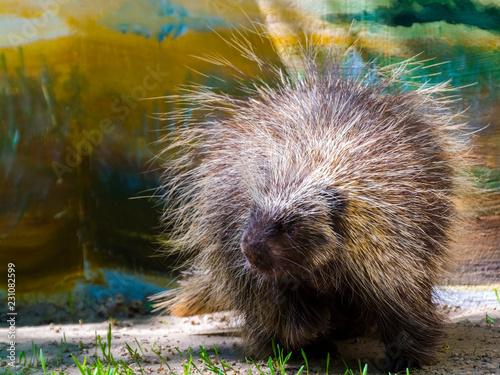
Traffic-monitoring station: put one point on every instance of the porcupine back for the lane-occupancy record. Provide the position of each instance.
(367, 167)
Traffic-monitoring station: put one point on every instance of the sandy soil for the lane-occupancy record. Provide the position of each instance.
(471, 346)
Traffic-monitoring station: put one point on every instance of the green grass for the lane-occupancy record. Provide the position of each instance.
(206, 361)
(489, 320)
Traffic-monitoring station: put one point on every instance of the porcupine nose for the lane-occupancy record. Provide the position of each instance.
(254, 249)
(247, 247)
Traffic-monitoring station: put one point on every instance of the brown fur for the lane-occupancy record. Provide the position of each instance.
(317, 208)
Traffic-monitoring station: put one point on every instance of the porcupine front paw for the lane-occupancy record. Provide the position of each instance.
(394, 365)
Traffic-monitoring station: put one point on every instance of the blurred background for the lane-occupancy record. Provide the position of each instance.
(81, 87)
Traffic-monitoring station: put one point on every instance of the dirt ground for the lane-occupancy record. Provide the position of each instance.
(471, 346)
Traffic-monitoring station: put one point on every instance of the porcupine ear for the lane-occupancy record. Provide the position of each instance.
(337, 202)
(336, 198)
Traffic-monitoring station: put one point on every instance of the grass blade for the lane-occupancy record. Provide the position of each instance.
(305, 360)
(80, 367)
(43, 362)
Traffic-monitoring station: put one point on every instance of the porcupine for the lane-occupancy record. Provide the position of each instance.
(318, 206)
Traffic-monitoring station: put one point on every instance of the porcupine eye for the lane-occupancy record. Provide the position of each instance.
(291, 231)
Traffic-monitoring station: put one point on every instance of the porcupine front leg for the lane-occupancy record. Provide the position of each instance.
(197, 294)
(289, 319)
(411, 335)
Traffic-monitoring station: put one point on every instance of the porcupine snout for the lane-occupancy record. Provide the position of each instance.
(263, 245)
(255, 248)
